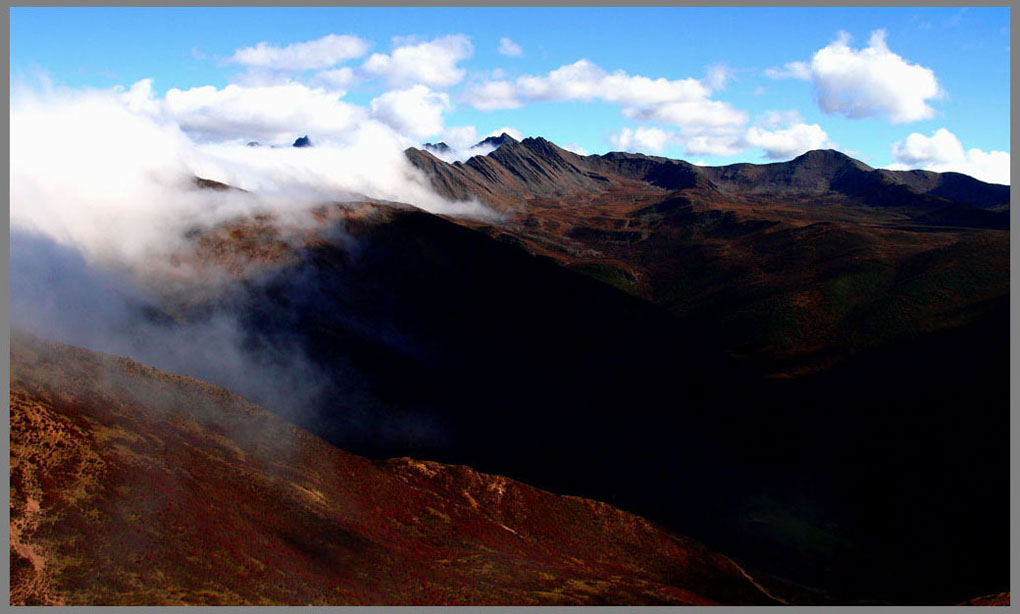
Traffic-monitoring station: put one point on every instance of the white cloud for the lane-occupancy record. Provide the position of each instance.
(460, 136)
(325, 52)
(781, 134)
(790, 70)
(492, 96)
(940, 147)
(717, 77)
(642, 140)
(775, 119)
(432, 63)
(271, 114)
(868, 82)
(140, 97)
(697, 115)
(262, 77)
(872, 82)
(584, 80)
(111, 172)
(943, 152)
(510, 130)
(578, 81)
(684, 103)
(789, 142)
(337, 78)
(711, 145)
(509, 48)
(416, 111)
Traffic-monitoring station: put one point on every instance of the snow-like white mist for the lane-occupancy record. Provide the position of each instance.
(103, 200)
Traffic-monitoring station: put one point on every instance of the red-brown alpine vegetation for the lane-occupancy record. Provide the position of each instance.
(133, 486)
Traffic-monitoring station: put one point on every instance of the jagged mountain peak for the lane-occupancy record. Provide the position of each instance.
(497, 141)
(537, 168)
(441, 147)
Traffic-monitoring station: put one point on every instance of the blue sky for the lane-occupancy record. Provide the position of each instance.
(895, 87)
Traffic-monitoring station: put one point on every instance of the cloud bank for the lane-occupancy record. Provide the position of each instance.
(111, 172)
(104, 207)
(781, 135)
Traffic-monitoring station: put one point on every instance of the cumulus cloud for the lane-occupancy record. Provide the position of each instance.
(416, 111)
(702, 115)
(335, 79)
(775, 119)
(868, 82)
(943, 152)
(683, 103)
(584, 80)
(781, 134)
(509, 48)
(641, 140)
(492, 96)
(940, 147)
(789, 142)
(432, 63)
(711, 145)
(790, 70)
(717, 77)
(270, 113)
(325, 52)
(262, 77)
(461, 136)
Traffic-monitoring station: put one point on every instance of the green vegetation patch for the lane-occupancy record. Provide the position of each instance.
(612, 274)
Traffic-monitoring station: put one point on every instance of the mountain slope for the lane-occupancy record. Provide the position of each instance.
(790, 264)
(536, 168)
(618, 336)
(442, 343)
(132, 486)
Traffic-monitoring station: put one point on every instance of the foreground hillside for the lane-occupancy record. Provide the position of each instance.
(133, 486)
(877, 479)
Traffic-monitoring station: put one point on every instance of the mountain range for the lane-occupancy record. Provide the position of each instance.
(803, 365)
